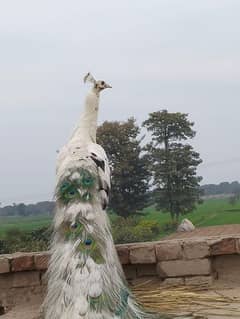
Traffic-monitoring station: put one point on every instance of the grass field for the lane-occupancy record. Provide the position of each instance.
(211, 212)
(23, 223)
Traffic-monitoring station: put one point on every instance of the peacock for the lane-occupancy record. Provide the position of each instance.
(85, 277)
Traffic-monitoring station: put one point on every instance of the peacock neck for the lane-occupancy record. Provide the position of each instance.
(87, 126)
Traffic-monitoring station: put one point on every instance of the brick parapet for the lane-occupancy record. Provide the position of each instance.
(136, 253)
(167, 259)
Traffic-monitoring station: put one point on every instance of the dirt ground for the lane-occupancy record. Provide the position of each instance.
(207, 232)
(25, 311)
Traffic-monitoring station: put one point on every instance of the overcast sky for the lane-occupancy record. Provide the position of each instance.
(182, 55)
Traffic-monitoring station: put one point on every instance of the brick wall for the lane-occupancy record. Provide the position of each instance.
(173, 262)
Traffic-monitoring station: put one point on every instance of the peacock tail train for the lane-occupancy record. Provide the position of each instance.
(85, 277)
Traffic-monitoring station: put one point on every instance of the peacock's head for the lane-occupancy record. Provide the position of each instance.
(101, 85)
(98, 85)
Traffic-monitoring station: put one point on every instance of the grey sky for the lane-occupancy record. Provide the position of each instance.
(182, 55)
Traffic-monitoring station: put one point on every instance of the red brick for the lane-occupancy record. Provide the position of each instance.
(123, 254)
(180, 268)
(142, 254)
(44, 278)
(26, 279)
(5, 281)
(238, 245)
(4, 265)
(130, 271)
(227, 268)
(21, 262)
(196, 249)
(146, 270)
(226, 246)
(41, 261)
(169, 250)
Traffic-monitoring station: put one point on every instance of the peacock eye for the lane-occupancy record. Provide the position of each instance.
(102, 82)
(74, 225)
(88, 242)
(72, 192)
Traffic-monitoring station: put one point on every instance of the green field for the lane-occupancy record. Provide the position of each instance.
(23, 223)
(211, 212)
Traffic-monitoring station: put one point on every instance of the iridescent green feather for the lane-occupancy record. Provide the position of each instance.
(87, 245)
(73, 232)
(122, 307)
(90, 247)
(86, 180)
(79, 189)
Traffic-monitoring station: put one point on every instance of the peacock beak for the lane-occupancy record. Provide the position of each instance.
(107, 86)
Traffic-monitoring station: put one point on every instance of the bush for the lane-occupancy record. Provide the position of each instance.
(170, 227)
(134, 229)
(3, 247)
(17, 240)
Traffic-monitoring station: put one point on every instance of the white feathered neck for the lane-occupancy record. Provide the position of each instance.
(87, 126)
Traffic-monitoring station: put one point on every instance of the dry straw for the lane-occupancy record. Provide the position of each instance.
(198, 301)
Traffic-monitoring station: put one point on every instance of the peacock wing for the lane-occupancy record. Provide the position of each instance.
(99, 157)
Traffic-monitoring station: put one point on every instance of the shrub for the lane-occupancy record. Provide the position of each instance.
(17, 240)
(170, 227)
(134, 229)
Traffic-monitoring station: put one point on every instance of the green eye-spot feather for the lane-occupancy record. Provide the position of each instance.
(88, 242)
(96, 255)
(64, 187)
(74, 231)
(70, 194)
(96, 304)
(87, 182)
(77, 189)
(86, 179)
(123, 303)
(67, 191)
(90, 247)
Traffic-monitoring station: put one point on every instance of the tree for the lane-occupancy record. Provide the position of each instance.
(130, 174)
(21, 208)
(234, 198)
(173, 163)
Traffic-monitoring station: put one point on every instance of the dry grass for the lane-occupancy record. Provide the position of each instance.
(198, 301)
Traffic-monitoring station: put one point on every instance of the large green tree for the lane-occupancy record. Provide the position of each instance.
(173, 162)
(130, 175)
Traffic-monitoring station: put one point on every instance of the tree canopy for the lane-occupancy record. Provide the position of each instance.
(130, 175)
(172, 162)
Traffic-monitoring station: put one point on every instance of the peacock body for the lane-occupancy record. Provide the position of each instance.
(86, 279)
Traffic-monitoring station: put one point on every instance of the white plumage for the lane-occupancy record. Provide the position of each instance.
(85, 277)
(86, 280)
